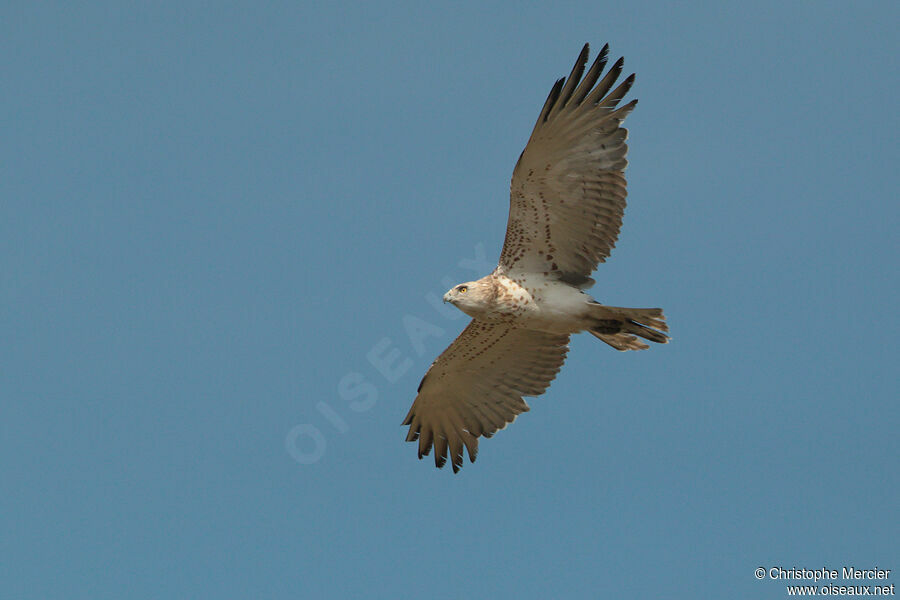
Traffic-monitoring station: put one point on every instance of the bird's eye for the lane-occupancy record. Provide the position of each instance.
(462, 289)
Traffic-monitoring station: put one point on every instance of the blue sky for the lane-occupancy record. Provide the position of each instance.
(220, 223)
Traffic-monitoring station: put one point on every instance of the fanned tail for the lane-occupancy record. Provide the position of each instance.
(620, 327)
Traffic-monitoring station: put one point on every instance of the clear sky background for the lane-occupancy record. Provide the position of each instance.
(213, 216)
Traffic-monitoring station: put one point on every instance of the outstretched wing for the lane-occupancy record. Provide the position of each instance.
(475, 387)
(567, 195)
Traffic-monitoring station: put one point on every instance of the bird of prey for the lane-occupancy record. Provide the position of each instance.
(567, 198)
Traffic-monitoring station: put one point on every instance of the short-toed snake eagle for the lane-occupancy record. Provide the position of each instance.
(567, 198)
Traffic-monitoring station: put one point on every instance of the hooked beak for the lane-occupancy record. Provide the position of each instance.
(447, 297)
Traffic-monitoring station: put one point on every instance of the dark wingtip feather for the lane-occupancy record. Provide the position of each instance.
(572, 82)
(605, 84)
(590, 78)
(617, 67)
(617, 94)
(551, 99)
(629, 81)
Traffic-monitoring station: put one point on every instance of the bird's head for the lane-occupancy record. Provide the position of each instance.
(471, 297)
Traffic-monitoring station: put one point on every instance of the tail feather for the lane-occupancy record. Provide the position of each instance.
(621, 327)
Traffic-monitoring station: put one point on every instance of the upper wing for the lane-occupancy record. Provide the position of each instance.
(567, 195)
(475, 387)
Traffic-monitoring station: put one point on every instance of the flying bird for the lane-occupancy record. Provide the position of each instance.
(567, 199)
